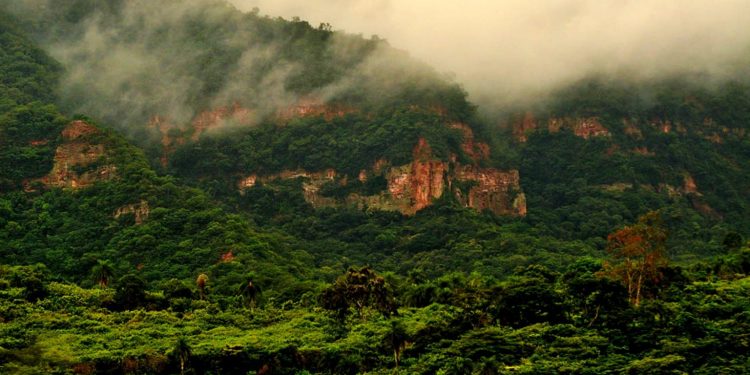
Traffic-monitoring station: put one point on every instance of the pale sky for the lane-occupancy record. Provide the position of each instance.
(519, 47)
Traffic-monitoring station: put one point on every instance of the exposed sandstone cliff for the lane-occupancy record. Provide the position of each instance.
(475, 150)
(492, 189)
(80, 160)
(414, 186)
(140, 211)
(584, 127)
(310, 107)
(173, 135)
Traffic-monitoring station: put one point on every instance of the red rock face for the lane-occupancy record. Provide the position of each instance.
(74, 152)
(77, 129)
(227, 257)
(311, 107)
(413, 187)
(168, 143)
(643, 151)
(589, 127)
(631, 129)
(173, 135)
(524, 126)
(140, 211)
(213, 119)
(494, 190)
(663, 126)
(418, 184)
(689, 185)
(475, 150)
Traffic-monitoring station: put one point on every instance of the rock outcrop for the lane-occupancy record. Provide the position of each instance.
(80, 159)
(491, 189)
(415, 186)
(475, 150)
(172, 135)
(311, 107)
(140, 211)
(584, 127)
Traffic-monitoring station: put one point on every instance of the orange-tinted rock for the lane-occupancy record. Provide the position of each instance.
(168, 143)
(310, 107)
(494, 190)
(632, 130)
(555, 124)
(663, 126)
(414, 186)
(75, 153)
(227, 257)
(38, 142)
(77, 129)
(589, 127)
(140, 211)
(248, 181)
(643, 151)
(475, 150)
(689, 185)
(715, 138)
(523, 126)
(585, 128)
(379, 166)
(421, 182)
(214, 118)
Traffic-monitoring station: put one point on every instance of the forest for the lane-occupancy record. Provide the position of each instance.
(123, 253)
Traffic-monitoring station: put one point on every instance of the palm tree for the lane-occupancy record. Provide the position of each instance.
(102, 272)
(396, 339)
(182, 351)
(201, 281)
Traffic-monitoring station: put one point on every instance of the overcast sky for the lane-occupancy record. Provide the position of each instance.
(500, 48)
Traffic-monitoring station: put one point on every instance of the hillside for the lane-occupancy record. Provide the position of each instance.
(247, 194)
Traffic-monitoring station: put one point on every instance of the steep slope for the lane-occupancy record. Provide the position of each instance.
(679, 144)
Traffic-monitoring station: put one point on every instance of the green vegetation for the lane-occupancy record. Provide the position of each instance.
(534, 321)
(627, 262)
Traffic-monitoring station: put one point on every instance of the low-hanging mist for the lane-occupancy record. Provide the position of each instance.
(515, 49)
(126, 62)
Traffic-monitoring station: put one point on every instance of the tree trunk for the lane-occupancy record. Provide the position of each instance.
(638, 291)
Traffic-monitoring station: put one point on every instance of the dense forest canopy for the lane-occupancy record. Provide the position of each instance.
(126, 245)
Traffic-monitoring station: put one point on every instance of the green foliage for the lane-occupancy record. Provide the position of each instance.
(480, 293)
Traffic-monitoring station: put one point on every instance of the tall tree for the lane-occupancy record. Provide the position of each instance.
(102, 272)
(250, 293)
(202, 282)
(638, 255)
(359, 288)
(182, 351)
(396, 339)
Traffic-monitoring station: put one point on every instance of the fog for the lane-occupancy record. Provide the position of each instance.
(149, 60)
(505, 50)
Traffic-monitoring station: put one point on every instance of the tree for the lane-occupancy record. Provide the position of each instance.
(102, 272)
(131, 292)
(250, 292)
(396, 339)
(637, 255)
(359, 288)
(182, 351)
(201, 282)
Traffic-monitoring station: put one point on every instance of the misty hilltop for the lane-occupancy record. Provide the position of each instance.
(205, 186)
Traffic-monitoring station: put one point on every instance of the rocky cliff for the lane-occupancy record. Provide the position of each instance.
(584, 127)
(172, 135)
(80, 159)
(523, 125)
(416, 185)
